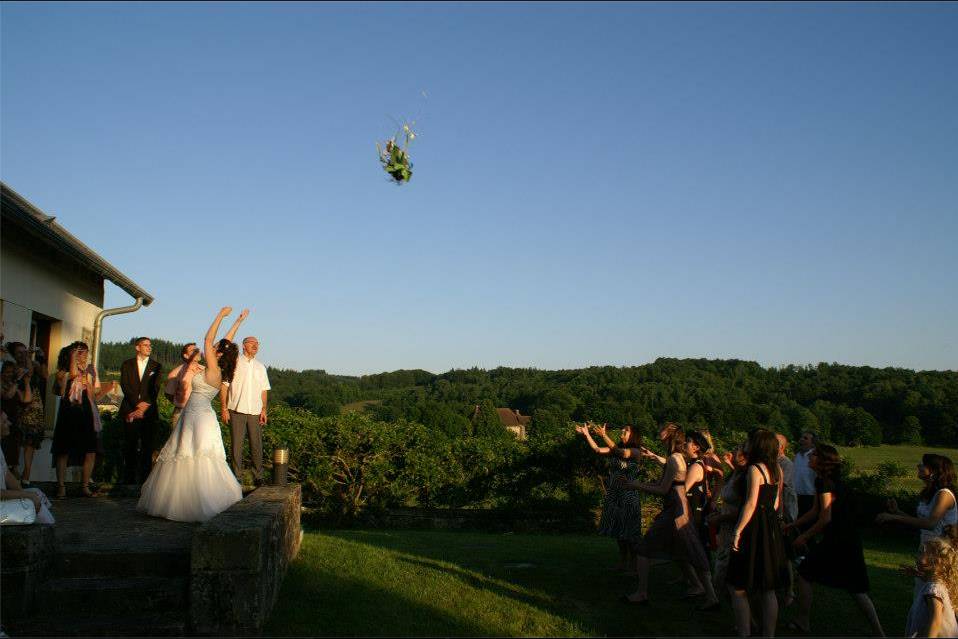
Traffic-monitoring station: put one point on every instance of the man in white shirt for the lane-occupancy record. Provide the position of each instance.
(243, 404)
(789, 503)
(803, 476)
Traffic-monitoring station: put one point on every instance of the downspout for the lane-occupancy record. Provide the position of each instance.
(98, 325)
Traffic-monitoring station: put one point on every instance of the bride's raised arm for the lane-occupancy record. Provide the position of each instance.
(212, 373)
(239, 320)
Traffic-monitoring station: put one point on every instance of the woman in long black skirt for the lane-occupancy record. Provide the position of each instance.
(838, 560)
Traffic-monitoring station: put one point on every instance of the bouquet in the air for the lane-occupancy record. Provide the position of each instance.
(395, 158)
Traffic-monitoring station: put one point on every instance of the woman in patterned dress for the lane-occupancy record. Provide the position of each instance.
(622, 507)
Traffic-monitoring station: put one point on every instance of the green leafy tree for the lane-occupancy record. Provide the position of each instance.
(911, 430)
(486, 422)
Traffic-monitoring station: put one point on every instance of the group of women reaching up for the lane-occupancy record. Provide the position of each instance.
(733, 526)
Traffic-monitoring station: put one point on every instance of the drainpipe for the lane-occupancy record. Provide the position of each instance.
(98, 325)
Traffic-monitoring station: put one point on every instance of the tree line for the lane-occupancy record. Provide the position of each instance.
(847, 405)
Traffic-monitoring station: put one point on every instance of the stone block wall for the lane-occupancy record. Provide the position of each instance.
(239, 559)
(26, 558)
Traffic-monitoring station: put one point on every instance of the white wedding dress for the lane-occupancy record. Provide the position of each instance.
(191, 480)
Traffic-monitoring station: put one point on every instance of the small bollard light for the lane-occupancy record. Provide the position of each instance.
(280, 465)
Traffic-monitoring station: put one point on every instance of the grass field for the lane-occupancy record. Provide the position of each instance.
(415, 583)
(867, 458)
(358, 407)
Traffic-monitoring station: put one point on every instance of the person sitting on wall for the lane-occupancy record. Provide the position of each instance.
(10, 487)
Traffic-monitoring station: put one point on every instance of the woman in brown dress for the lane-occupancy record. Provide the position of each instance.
(672, 534)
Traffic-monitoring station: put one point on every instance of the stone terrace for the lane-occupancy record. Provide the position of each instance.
(117, 572)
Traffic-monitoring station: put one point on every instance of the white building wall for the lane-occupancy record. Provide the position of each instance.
(74, 298)
(36, 282)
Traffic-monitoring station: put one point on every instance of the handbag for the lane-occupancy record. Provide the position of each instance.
(17, 512)
(32, 417)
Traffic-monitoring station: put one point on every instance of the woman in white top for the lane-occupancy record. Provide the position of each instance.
(937, 507)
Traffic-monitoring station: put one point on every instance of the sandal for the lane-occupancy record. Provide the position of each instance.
(61, 491)
(642, 602)
(793, 626)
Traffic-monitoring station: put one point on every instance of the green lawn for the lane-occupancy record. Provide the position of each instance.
(415, 583)
(867, 458)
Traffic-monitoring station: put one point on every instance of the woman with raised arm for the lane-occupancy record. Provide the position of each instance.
(672, 534)
(191, 480)
(698, 483)
(622, 508)
(76, 435)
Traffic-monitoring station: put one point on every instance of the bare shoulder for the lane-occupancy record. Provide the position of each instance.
(212, 377)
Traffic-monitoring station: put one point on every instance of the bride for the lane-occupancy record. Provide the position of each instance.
(191, 480)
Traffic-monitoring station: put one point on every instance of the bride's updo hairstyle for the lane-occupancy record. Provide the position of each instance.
(227, 352)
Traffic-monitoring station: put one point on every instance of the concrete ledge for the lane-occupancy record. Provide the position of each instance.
(239, 559)
(26, 558)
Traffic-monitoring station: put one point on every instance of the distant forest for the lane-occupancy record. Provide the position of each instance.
(848, 405)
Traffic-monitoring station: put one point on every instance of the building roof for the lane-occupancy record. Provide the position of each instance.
(509, 417)
(22, 212)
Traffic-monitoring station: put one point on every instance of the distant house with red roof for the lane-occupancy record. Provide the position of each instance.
(512, 420)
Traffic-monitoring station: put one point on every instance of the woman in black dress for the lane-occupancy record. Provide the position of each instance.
(672, 534)
(698, 484)
(76, 436)
(838, 560)
(757, 564)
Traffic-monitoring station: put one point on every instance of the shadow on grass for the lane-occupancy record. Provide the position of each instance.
(327, 603)
(571, 582)
(564, 576)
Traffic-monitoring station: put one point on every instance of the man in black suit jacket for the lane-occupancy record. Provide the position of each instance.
(140, 382)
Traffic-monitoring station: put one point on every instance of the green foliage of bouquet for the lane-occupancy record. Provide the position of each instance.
(395, 158)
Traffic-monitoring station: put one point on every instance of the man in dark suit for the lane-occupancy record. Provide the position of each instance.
(140, 382)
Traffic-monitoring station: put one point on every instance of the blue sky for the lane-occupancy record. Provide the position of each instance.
(593, 184)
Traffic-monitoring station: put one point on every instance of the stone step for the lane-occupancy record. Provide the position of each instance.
(121, 564)
(74, 489)
(159, 625)
(92, 597)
